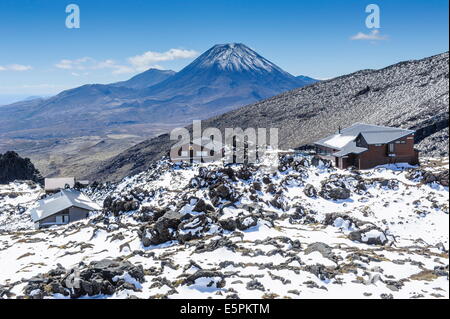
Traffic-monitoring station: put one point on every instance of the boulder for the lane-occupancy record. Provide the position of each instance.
(336, 193)
(325, 250)
(163, 230)
(99, 277)
(371, 235)
(228, 224)
(310, 191)
(201, 206)
(192, 228)
(245, 222)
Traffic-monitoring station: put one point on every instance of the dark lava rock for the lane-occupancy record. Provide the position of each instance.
(99, 277)
(303, 215)
(335, 193)
(190, 280)
(163, 230)
(117, 205)
(358, 236)
(310, 191)
(201, 206)
(193, 228)
(13, 167)
(427, 177)
(255, 285)
(245, 222)
(320, 271)
(228, 224)
(322, 248)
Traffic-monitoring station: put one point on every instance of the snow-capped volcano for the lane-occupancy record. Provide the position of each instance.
(226, 74)
(235, 57)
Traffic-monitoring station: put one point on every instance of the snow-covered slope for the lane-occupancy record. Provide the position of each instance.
(303, 231)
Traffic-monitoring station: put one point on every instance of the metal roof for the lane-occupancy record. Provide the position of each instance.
(59, 183)
(350, 148)
(373, 134)
(382, 137)
(64, 199)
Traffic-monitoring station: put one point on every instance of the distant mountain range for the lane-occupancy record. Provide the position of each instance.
(223, 78)
(411, 94)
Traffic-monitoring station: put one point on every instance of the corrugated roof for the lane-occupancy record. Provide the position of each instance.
(382, 137)
(373, 134)
(64, 199)
(59, 183)
(350, 148)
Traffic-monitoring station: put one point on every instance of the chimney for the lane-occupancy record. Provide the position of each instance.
(339, 130)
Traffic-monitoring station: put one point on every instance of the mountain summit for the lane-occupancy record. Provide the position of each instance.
(227, 75)
(235, 57)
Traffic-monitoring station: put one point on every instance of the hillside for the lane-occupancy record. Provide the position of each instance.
(305, 230)
(411, 94)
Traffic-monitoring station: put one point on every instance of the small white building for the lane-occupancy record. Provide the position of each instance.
(62, 208)
(53, 185)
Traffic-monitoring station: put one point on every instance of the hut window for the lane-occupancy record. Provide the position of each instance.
(391, 147)
(62, 219)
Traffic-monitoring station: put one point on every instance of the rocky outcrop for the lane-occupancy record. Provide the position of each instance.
(99, 277)
(13, 167)
(427, 177)
(163, 230)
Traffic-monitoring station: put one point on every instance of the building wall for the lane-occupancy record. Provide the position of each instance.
(378, 155)
(75, 213)
(52, 218)
(375, 155)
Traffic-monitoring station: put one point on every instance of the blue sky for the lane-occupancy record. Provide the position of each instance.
(118, 39)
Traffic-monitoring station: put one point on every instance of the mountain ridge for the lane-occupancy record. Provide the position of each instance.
(153, 96)
(411, 94)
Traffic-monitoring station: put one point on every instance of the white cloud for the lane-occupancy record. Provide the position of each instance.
(88, 63)
(15, 67)
(148, 59)
(77, 64)
(375, 35)
(138, 63)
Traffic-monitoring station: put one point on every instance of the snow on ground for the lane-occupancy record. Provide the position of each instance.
(255, 236)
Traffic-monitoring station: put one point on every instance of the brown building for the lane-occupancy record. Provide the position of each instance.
(366, 146)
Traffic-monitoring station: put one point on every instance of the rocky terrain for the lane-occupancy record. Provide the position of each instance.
(13, 167)
(297, 229)
(411, 95)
